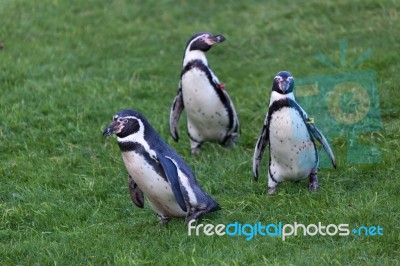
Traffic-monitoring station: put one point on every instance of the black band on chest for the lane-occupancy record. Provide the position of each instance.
(202, 67)
(138, 148)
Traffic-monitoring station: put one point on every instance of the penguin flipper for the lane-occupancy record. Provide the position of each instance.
(173, 178)
(318, 135)
(259, 149)
(235, 130)
(136, 193)
(175, 114)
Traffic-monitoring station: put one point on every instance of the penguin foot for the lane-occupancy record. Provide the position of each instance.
(195, 151)
(229, 141)
(195, 145)
(313, 184)
(271, 190)
(272, 185)
(163, 218)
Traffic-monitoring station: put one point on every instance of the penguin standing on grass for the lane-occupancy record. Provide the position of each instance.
(211, 115)
(290, 134)
(157, 172)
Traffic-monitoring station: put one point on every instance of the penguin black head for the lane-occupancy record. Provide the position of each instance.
(125, 123)
(203, 41)
(283, 83)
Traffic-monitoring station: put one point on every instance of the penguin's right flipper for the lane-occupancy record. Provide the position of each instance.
(175, 113)
(172, 175)
(260, 147)
(136, 193)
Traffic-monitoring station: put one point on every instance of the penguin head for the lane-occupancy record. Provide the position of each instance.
(125, 123)
(283, 83)
(203, 41)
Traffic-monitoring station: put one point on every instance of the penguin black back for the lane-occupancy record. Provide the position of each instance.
(157, 171)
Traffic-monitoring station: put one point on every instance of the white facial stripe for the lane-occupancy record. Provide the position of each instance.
(196, 54)
(190, 44)
(139, 138)
(195, 39)
(128, 117)
(280, 78)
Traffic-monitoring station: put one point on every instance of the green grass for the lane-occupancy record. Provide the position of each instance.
(66, 67)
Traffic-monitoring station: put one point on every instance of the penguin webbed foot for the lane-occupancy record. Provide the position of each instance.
(164, 219)
(271, 190)
(230, 141)
(196, 150)
(272, 186)
(313, 183)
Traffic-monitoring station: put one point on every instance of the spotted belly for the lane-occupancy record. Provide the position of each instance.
(207, 118)
(157, 190)
(292, 152)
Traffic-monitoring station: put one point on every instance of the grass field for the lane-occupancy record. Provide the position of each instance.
(66, 67)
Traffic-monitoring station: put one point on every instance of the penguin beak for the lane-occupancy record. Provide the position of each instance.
(112, 128)
(213, 39)
(284, 85)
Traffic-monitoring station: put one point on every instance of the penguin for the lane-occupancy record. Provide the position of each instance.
(291, 136)
(211, 115)
(157, 172)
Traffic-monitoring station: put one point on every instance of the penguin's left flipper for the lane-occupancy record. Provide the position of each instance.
(172, 175)
(136, 193)
(318, 135)
(259, 149)
(175, 114)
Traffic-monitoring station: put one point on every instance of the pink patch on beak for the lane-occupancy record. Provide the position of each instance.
(221, 86)
(209, 41)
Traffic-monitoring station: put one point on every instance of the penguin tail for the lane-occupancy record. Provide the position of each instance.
(215, 207)
(199, 213)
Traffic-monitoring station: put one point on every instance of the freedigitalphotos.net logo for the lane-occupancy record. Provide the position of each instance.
(249, 231)
(345, 103)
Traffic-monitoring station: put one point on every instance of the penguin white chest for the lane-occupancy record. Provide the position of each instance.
(292, 152)
(153, 185)
(206, 114)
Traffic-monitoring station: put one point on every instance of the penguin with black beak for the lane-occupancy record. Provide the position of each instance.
(156, 171)
(291, 136)
(211, 115)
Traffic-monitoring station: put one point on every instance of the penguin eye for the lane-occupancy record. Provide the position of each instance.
(124, 121)
(203, 38)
